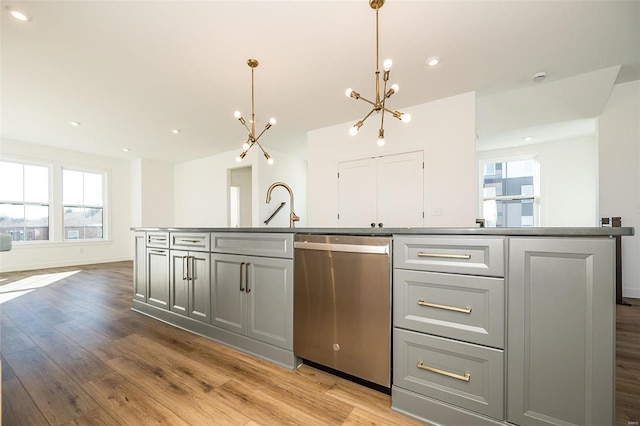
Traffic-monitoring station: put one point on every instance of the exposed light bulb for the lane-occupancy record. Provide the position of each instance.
(272, 121)
(245, 146)
(238, 159)
(270, 161)
(406, 117)
(387, 64)
(353, 131)
(348, 92)
(381, 142)
(395, 88)
(237, 114)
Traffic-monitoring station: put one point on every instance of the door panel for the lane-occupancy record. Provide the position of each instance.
(400, 190)
(200, 287)
(357, 193)
(158, 277)
(179, 286)
(270, 301)
(228, 301)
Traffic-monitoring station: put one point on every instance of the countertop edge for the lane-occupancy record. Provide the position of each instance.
(550, 232)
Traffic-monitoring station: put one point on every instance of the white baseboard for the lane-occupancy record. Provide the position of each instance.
(44, 265)
(631, 292)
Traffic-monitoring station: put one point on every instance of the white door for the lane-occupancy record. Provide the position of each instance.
(357, 193)
(400, 190)
(385, 190)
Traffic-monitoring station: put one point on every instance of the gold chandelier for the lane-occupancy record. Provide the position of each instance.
(252, 138)
(380, 103)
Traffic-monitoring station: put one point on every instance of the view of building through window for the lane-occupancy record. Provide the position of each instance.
(508, 193)
(24, 201)
(82, 205)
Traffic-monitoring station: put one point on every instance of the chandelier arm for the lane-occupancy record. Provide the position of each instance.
(368, 115)
(263, 150)
(382, 105)
(396, 114)
(373, 104)
(247, 127)
(263, 130)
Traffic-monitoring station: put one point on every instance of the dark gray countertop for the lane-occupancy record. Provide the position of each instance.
(543, 232)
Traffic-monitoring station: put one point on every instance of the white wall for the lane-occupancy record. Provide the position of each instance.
(152, 193)
(568, 179)
(201, 194)
(116, 246)
(619, 190)
(443, 129)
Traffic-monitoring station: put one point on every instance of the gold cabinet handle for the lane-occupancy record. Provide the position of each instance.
(464, 378)
(444, 255)
(466, 310)
(246, 276)
(241, 287)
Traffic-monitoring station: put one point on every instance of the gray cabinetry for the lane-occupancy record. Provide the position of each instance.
(561, 348)
(157, 269)
(139, 266)
(253, 296)
(449, 310)
(190, 275)
(252, 282)
(191, 284)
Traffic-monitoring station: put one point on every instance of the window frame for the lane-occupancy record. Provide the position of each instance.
(535, 196)
(104, 206)
(50, 197)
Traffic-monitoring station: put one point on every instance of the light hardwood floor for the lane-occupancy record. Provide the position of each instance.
(73, 353)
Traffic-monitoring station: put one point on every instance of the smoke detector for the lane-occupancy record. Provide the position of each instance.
(540, 76)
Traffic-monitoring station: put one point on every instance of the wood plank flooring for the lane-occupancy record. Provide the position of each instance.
(73, 353)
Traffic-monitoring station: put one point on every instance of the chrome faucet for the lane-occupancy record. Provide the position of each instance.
(293, 218)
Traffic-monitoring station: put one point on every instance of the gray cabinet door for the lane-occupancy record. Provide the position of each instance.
(179, 284)
(561, 331)
(139, 267)
(228, 284)
(199, 287)
(270, 301)
(158, 277)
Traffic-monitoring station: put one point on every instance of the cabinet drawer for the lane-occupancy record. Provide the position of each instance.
(198, 241)
(253, 244)
(458, 373)
(461, 255)
(460, 307)
(158, 239)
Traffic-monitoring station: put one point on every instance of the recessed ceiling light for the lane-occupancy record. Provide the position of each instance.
(175, 131)
(75, 123)
(527, 138)
(126, 149)
(433, 61)
(539, 76)
(18, 14)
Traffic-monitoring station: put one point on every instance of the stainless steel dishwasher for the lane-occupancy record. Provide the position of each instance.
(342, 304)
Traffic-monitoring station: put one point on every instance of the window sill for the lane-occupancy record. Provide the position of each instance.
(20, 245)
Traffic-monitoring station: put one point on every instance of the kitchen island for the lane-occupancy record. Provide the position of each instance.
(490, 325)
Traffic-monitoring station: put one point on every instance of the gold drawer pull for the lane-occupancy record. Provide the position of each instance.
(466, 310)
(464, 378)
(444, 255)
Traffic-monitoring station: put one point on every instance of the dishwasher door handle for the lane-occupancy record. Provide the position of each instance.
(349, 248)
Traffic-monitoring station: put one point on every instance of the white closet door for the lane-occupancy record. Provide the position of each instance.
(401, 190)
(357, 193)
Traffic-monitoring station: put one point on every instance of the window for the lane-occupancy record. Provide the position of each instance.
(82, 203)
(24, 201)
(508, 193)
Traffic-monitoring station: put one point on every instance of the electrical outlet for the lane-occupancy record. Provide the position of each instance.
(437, 211)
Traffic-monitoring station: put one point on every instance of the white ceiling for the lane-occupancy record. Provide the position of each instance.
(130, 71)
